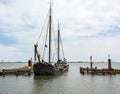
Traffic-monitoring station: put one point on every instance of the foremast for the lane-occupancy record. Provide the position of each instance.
(50, 29)
(58, 43)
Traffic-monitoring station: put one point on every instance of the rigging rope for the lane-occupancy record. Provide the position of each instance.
(43, 27)
(55, 51)
(62, 46)
(45, 43)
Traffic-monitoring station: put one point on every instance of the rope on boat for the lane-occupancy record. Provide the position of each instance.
(43, 27)
(45, 38)
(44, 44)
(62, 46)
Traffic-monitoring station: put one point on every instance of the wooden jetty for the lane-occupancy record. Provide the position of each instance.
(91, 70)
(18, 71)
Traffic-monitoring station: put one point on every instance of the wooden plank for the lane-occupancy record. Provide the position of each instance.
(99, 71)
(16, 71)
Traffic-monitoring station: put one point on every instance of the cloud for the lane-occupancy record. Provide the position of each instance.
(90, 16)
(88, 27)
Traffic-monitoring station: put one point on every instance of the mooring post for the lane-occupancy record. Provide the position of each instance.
(91, 63)
(30, 62)
(3, 71)
(109, 63)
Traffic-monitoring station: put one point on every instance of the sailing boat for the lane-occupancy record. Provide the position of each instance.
(47, 68)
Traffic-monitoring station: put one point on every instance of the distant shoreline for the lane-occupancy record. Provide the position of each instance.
(93, 62)
(68, 62)
(13, 62)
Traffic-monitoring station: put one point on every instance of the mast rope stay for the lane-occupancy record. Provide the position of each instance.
(62, 46)
(41, 33)
(45, 44)
(55, 44)
(46, 18)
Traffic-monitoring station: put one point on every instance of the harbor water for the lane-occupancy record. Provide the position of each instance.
(71, 82)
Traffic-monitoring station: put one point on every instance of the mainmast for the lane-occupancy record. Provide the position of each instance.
(58, 43)
(50, 23)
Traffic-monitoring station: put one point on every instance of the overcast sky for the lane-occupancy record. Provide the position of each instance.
(88, 27)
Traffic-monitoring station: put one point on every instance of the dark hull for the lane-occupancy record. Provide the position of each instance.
(47, 69)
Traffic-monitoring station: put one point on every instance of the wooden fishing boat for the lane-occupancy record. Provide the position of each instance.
(49, 68)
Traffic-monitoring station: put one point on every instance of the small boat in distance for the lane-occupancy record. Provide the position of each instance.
(48, 68)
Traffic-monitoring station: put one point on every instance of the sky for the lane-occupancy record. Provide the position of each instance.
(88, 27)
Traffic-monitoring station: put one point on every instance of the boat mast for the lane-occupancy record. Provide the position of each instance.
(50, 22)
(58, 43)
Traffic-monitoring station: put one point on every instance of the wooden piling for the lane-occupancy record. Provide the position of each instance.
(103, 71)
(109, 63)
(99, 71)
(91, 63)
(30, 62)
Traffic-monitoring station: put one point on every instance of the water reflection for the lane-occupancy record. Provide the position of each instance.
(71, 82)
(50, 77)
(49, 84)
